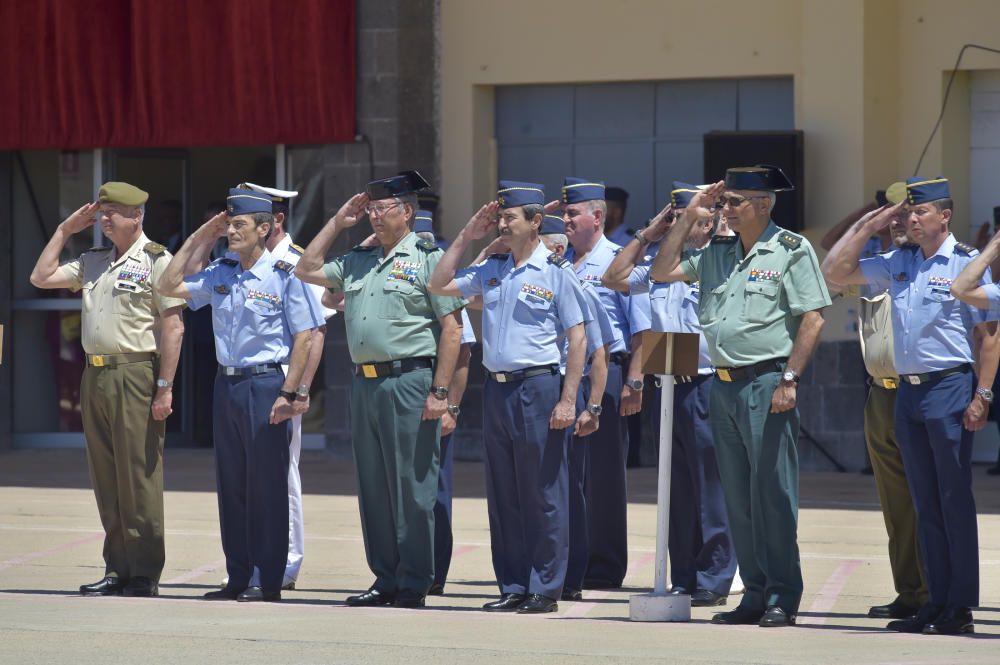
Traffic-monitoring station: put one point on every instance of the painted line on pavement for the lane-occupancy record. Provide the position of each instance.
(580, 609)
(196, 573)
(827, 597)
(31, 556)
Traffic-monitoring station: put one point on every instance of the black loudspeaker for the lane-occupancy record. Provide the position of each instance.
(724, 150)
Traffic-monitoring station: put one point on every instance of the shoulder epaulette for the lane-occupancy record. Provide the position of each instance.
(962, 248)
(557, 260)
(284, 266)
(154, 248)
(295, 248)
(99, 249)
(427, 245)
(362, 248)
(499, 257)
(724, 240)
(232, 263)
(789, 240)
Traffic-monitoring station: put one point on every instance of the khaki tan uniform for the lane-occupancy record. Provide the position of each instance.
(875, 328)
(120, 334)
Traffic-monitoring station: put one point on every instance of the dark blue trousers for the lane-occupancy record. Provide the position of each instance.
(700, 547)
(578, 522)
(937, 456)
(526, 485)
(251, 470)
(607, 492)
(442, 513)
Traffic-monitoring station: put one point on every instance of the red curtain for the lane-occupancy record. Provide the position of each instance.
(156, 73)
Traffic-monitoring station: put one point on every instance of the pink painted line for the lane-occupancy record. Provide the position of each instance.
(459, 550)
(578, 610)
(196, 573)
(832, 588)
(24, 558)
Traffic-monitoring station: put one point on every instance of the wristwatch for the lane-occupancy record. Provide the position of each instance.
(163, 383)
(790, 376)
(454, 410)
(287, 394)
(302, 392)
(635, 384)
(595, 409)
(439, 392)
(986, 394)
(641, 237)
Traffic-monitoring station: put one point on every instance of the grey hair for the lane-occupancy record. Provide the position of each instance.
(531, 210)
(772, 198)
(412, 201)
(557, 238)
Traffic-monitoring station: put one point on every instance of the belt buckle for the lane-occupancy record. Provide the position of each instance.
(500, 377)
(369, 371)
(97, 361)
(724, 374)
(889, 384)
(913, 379)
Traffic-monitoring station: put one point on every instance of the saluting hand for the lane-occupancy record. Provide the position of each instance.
(783, 398)
(350, 213)
(83, 218)
(563, 415)
(882, 217)
(660, 224)
(482, 222)
(552, 207)
(702, 205)
(216, 227)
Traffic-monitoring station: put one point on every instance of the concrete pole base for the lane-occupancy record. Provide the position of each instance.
(659, 607)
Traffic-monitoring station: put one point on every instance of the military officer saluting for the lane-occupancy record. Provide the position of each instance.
(263, 317)
(946, 356)
(761, 293)
(529, 297)
(404, 342)
(131, 333)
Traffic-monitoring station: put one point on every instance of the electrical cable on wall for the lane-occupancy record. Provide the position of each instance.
(947, 92)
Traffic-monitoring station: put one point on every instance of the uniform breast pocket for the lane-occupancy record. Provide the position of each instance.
(264, 309)
(531, 308)
(397, 299)
(352, 299)
(491, 298)
(761, 299)
(131, 299)
(939, 297)
(712, 302)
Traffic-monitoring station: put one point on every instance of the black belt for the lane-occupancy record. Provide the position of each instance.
(917, 379)
(111, 360)
(730, 374)
(620, 357)
(522, 374)
(251, 370)
(392, 367)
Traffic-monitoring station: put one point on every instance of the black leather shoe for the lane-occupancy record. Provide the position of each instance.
(371, 598)
(599, 583)
(509, 602)
(255, 594)
(776, 617)
(957, 621)
(741, 616)
(571, 594)
(436, 590)
(225, 593)
(915, 624)
(706, 598)
(538, 604)
(894, 610)
(109, 586)
(141, 587)
(409, 600)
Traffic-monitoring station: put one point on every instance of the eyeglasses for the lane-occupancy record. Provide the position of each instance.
(736, 201)
(378, 210)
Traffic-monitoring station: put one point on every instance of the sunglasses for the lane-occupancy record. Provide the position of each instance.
(735, 201)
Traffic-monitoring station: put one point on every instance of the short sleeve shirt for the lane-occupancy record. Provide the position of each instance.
(121, 305)
(751, 305)
(388, 311)
(931, 329)
(256, 313)
(525, 308)
(287, 250)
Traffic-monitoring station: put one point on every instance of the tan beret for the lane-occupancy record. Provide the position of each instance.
(122, 193)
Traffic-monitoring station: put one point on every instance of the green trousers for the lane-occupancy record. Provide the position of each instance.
(397, 459)
(759, 466)
(894, 495)
(125, 456)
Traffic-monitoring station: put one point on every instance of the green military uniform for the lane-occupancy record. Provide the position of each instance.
(751, 307)
(392, 318)
(875, 328)
(120, 316)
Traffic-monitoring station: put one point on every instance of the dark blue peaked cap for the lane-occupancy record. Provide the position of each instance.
(423, 222)
(247, 202)
(577, 190)
(925, 190)
(513, 194)
(682, 193)
(552, 224)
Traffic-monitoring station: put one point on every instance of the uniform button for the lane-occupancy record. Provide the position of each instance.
(364, 318)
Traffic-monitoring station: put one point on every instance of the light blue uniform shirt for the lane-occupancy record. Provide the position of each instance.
(932, 330)
(628, 315)
(468, 334)
(256, 312)
(524, 308)
(674, 307)
(596, 325)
